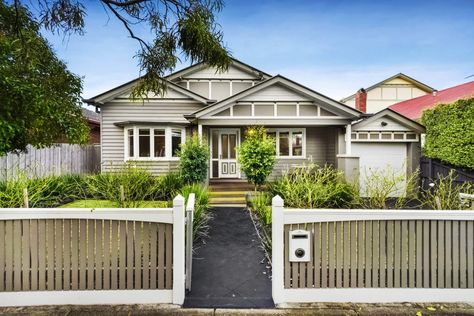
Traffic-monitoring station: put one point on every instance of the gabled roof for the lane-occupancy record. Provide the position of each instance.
(100, 99)
(400, 75)
(235, 62)
(91, 116)
(278, 79)
(414, 108)
(403, 120)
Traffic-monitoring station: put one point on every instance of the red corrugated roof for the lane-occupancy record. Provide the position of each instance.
(414, 108)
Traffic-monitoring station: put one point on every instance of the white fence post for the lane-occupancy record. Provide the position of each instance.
(178, 250)
(277, 250)
(189, 239)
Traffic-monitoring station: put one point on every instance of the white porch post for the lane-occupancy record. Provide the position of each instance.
(348, 139)
(200, 131)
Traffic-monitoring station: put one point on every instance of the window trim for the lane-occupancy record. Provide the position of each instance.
(277, 132)
(168, 142)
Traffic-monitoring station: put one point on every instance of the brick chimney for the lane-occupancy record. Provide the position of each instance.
(361, 100)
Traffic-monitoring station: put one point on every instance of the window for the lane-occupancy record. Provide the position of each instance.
(175, 141)
(289, 142)
(130, 142)
(160, 140)
(144, 143)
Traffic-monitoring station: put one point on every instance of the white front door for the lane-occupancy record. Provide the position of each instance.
(228, 142)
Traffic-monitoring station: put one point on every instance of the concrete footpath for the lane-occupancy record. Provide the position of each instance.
(314, 309)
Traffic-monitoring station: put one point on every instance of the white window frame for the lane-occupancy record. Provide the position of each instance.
(290, 131)
(168, 142)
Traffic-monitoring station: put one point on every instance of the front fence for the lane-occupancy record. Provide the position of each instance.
(374, 255)
(98, 256)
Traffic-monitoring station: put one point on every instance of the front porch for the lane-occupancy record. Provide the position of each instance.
(295, 146)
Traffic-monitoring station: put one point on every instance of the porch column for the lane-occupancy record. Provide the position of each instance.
(200, 131)
(348, 139)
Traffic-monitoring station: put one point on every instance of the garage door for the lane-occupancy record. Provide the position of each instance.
(382, 158)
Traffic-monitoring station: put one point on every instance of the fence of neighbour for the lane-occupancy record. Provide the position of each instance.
(432, 169)
(373, 255)
(98, 256)
(56, 160)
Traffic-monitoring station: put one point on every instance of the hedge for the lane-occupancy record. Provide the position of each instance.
(450, 133)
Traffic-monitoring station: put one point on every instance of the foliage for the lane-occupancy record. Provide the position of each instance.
(314, 187)
(256, 155)
(43, 192)
(444, 194)
(177, 27)
(113, 204)
(167, 186)
(449, 133)
(194, 160)
(381, 185)
(261, 206)
(41, 100)
(201, 208)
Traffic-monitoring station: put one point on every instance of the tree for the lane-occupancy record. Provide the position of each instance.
(178, 27)
(257, 155)
(40, 99)
(194, 160)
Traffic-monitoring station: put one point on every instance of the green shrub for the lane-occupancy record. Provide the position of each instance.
(444, 194)
(314, 187)
(449, 133)
(261, 206)
(167, 186)
(201, 208)
(256, 155)
(382, 185)
(194, 160)
(138, 185)
(49, 191)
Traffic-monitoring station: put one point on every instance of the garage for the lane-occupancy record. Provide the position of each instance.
(387, 145)
(381, 158)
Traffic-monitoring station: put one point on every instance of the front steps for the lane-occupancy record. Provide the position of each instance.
(229, 192)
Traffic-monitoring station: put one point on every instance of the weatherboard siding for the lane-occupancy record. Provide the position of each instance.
(113, 136)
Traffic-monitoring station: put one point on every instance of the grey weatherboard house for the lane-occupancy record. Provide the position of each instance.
(308, 126)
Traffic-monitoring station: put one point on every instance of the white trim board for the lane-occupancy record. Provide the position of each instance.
(376, 295)
(36, 298)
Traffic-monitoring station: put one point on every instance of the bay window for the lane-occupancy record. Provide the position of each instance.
(290, 143)
(153, 143)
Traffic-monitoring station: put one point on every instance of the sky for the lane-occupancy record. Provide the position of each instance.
(333, 47)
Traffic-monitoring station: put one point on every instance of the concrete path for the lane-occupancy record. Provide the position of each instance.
(230, 270)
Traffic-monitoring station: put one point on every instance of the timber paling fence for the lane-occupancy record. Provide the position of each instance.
(432, 169)
(56, 160)
(374, 256)
(98, 256)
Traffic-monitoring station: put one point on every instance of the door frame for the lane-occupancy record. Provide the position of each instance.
(219, 148)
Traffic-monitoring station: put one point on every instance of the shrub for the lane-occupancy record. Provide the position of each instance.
(201, 208)
(256, 155)
(314, 187)
(381, 185)
(444, 194)
(194, 160)
(167, 186)
(261, 206)
(449, 133)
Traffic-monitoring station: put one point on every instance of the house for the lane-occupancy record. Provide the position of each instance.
(413, 109)
(93, 120)
(385, 93)
(308, 126)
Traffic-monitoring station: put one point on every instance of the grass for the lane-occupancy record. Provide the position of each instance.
(113, 204)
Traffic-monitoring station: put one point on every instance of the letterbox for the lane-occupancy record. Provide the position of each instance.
(300, 246)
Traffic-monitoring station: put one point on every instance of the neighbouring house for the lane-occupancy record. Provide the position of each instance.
(383, 94)
(413, 109)
(308, 126)
(93, 120)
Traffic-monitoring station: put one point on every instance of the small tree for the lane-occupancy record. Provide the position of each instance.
(257, 155)
(194, 159)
